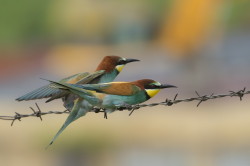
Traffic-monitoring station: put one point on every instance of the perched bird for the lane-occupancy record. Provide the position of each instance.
(106, 71)
(115, 94)
(111, 95)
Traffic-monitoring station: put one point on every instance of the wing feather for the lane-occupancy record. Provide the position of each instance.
(43, 92)
(54, 93)
(113, 88)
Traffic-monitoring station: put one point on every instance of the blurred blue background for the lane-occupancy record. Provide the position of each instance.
(193, 44)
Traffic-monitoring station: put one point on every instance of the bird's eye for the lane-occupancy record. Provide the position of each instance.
(121, 62)
(153, 86)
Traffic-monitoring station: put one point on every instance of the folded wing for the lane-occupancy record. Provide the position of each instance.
(113, 88)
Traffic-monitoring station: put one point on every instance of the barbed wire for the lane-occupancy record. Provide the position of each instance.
(131, 108)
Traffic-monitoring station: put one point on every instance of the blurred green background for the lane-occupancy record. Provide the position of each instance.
(193, 44)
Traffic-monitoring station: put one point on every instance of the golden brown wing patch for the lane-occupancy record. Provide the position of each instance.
(121, 88)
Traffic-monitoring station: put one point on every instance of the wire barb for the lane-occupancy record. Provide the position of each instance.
(131, 108)
(16, 117)
(170, 102)
(37, 113)
(240, 93)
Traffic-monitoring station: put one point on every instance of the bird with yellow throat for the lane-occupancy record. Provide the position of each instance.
(110, 96)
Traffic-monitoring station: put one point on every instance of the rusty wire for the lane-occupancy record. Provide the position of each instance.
(132, 108)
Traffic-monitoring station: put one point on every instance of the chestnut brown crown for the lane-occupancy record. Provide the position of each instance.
(109, 63)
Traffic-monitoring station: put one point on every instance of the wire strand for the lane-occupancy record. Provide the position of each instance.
(132, 108)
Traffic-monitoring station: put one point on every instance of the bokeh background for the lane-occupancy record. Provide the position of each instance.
(201, 45)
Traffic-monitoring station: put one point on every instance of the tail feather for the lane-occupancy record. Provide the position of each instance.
(89, 96)
(76, 113)
(69, 120)
(43, 92)
(71, 87)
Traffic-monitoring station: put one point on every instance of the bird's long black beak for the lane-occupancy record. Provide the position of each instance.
(131, 60)
(167, 86)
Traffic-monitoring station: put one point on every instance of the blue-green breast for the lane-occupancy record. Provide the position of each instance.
(114, 100)
(107, 77)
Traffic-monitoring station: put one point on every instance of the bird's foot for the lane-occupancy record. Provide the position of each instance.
(124, 107)
(105, 115)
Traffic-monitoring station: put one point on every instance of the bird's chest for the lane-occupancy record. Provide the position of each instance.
(108, 77)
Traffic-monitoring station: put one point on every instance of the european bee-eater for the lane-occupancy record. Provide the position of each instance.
(111, 95)
(115, 94)
(106, 71)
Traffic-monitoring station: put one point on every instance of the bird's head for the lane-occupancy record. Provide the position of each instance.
(111, 63)
(152, 87)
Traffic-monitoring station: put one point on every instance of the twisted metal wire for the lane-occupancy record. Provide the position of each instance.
(131, 108)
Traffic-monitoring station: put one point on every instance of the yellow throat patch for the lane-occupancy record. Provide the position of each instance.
(152, 92)
(119, 67)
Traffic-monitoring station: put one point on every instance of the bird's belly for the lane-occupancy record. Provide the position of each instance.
(116, 100)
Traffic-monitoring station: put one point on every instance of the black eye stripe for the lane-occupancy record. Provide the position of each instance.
(121, 62)
(151, 86)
